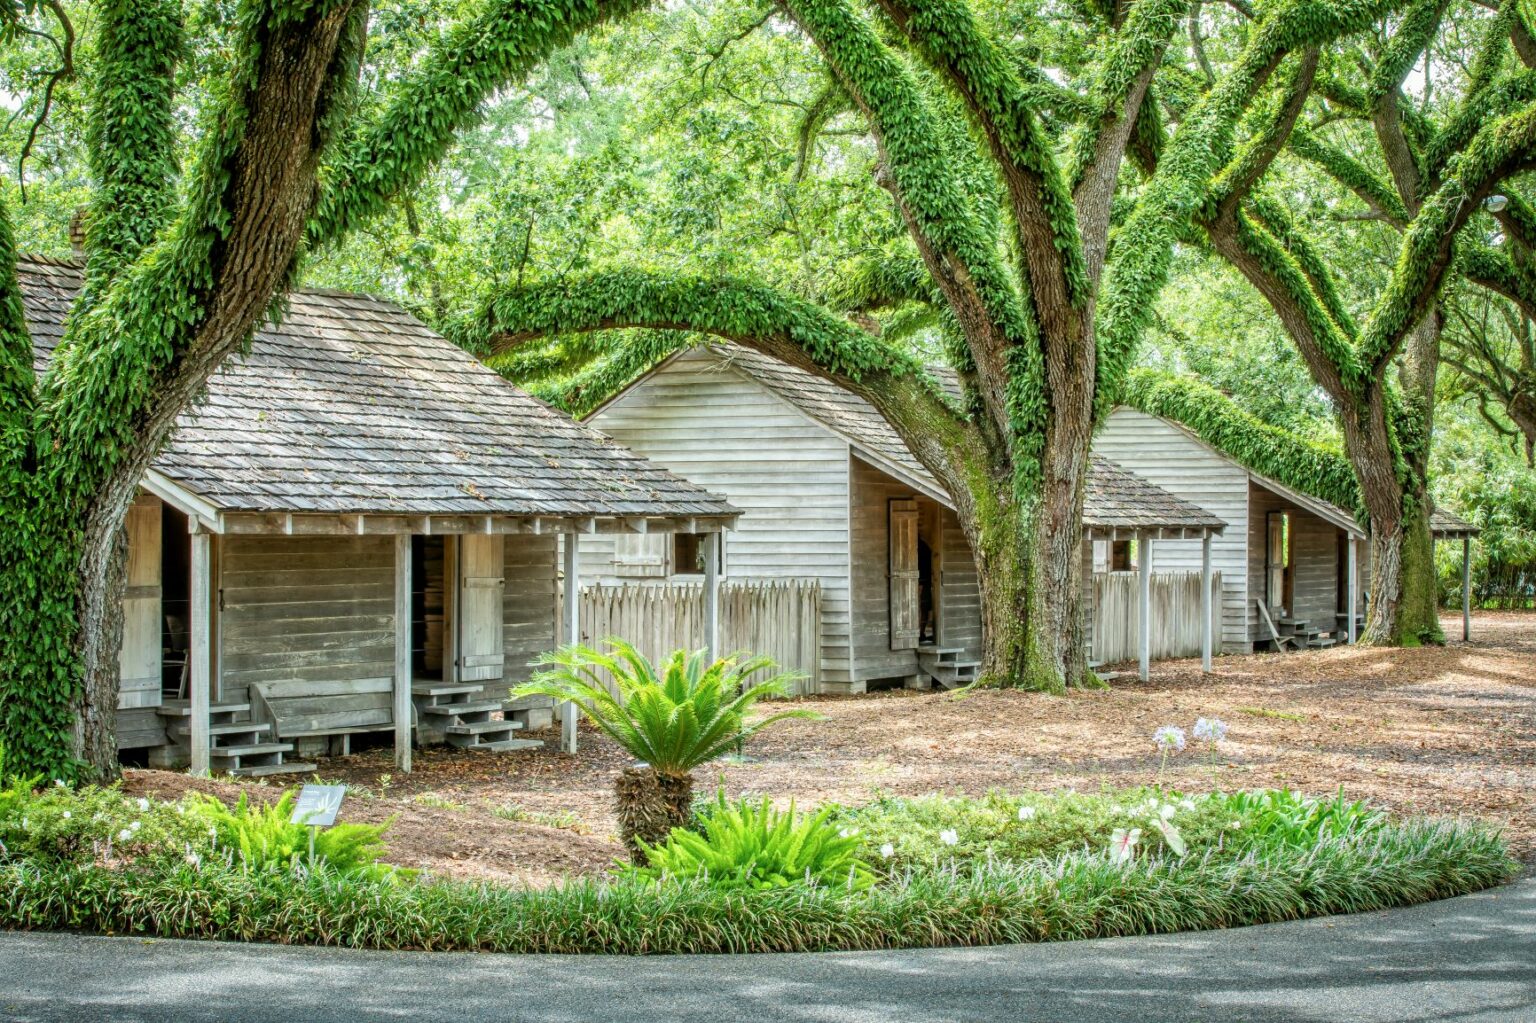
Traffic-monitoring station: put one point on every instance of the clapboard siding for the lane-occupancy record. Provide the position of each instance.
(1164, 454)
(787, 473)
(531, 613)
(307, 608)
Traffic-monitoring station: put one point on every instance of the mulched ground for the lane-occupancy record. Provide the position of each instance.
(1447, 730)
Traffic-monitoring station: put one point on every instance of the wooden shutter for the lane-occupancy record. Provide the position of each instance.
(140, 656)
(640, 555)
(1274, 566)
(482, 581)
(906, 609)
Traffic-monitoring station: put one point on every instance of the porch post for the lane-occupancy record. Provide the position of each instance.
(1205, 602)
(200, 648)
(711, 596)
(1144, 555)
(403, 652)
(569, 712)
(1352, 586)
(1466, 588)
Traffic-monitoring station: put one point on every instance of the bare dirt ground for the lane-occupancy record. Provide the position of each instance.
(1449, 731)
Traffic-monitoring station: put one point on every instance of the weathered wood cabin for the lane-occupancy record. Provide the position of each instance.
(356, 531)
(830, 492)
(1294, 570)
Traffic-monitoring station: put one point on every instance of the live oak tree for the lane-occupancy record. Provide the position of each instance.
(1490, 345)
(1420, 160)
(182, 265)
(1041, 202)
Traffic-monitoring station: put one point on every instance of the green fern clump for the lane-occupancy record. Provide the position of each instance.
(264, 838)
(15, 790)
(747, 845)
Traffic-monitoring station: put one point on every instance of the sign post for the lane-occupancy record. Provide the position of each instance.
(317, 808)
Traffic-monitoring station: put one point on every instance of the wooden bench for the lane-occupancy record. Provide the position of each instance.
(301, 708)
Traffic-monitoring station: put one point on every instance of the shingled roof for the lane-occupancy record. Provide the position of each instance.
(352, 405)
(1116, 499)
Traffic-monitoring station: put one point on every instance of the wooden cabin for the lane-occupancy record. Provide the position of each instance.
(1296, 575)
(357, 531)
(830, 492)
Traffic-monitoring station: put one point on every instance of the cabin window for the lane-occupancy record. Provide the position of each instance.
(1122, 556)
(688, 553)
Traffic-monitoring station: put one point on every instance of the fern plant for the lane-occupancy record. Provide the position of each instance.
(15, 791)
(673, 717)
(747, 845)
(264, 838)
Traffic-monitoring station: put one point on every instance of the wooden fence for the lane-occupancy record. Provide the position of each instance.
(1175, 615)
(778, 618)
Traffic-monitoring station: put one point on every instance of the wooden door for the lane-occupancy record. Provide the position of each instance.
(482, 579)
(1274, 561)
(906, 597)
(139, 660)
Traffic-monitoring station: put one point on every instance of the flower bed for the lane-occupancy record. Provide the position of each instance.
(941, 871)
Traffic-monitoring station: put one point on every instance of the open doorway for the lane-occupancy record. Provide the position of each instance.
(175, 603)
(428, 612)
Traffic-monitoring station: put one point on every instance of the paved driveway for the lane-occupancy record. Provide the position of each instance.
(1468, 959)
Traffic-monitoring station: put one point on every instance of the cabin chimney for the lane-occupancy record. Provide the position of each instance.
(77, 232)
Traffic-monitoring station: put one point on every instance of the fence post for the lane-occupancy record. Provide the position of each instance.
(1205, 602)
(1144, 613)
(572, 631)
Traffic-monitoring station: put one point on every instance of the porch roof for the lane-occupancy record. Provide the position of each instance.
(350, 406)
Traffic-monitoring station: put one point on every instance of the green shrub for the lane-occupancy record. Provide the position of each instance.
(15, 791)
(93, 824)
(1078, 896)
(263, 838)
(746, 845)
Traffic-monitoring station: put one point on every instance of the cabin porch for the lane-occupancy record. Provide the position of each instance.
(253, 643)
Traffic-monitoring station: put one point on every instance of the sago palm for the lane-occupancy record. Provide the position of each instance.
(673, 717)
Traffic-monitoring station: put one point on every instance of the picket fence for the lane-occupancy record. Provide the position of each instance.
(1175, 615)
(778, 618)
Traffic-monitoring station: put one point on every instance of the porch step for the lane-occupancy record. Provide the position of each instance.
(267, 770)
(444, 688)
(945, 667)
(1322, 642)
(482, 727)
(457, 709)
(504, 745)
(184, 731)
(183, 709)
(249, 750)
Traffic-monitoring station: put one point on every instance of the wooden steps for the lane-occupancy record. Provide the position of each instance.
(1287, 631)
(460, 715)
(945, 666)
(242, 748)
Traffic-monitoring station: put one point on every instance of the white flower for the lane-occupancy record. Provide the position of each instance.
(1210, 730)
(1169, 737)
(1167, 812)
(135, 825)
(143, 805)
(948, 837)
(1236, 824)
(887, 851)
(1117, 809)
(66, 815)
(1122, 844)
(125, 835)
(1026, 813)
(59, 782)
(1186, 804)
(847, 833)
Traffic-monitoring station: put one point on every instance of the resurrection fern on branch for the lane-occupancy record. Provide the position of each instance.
(673, 717)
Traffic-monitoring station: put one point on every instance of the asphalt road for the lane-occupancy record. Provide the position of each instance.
(1468, 959)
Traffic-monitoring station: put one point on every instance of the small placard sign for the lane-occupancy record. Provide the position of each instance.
(318, 805)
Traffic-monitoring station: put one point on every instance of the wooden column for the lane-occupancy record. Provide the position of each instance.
(1206, 608)
(568, 713)
(200, 649)
(711, 595)
(1144, 612)
(1352, 586)
(1466, 588)
(402, 694)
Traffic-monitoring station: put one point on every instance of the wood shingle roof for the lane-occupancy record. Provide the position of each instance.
(352, 405)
